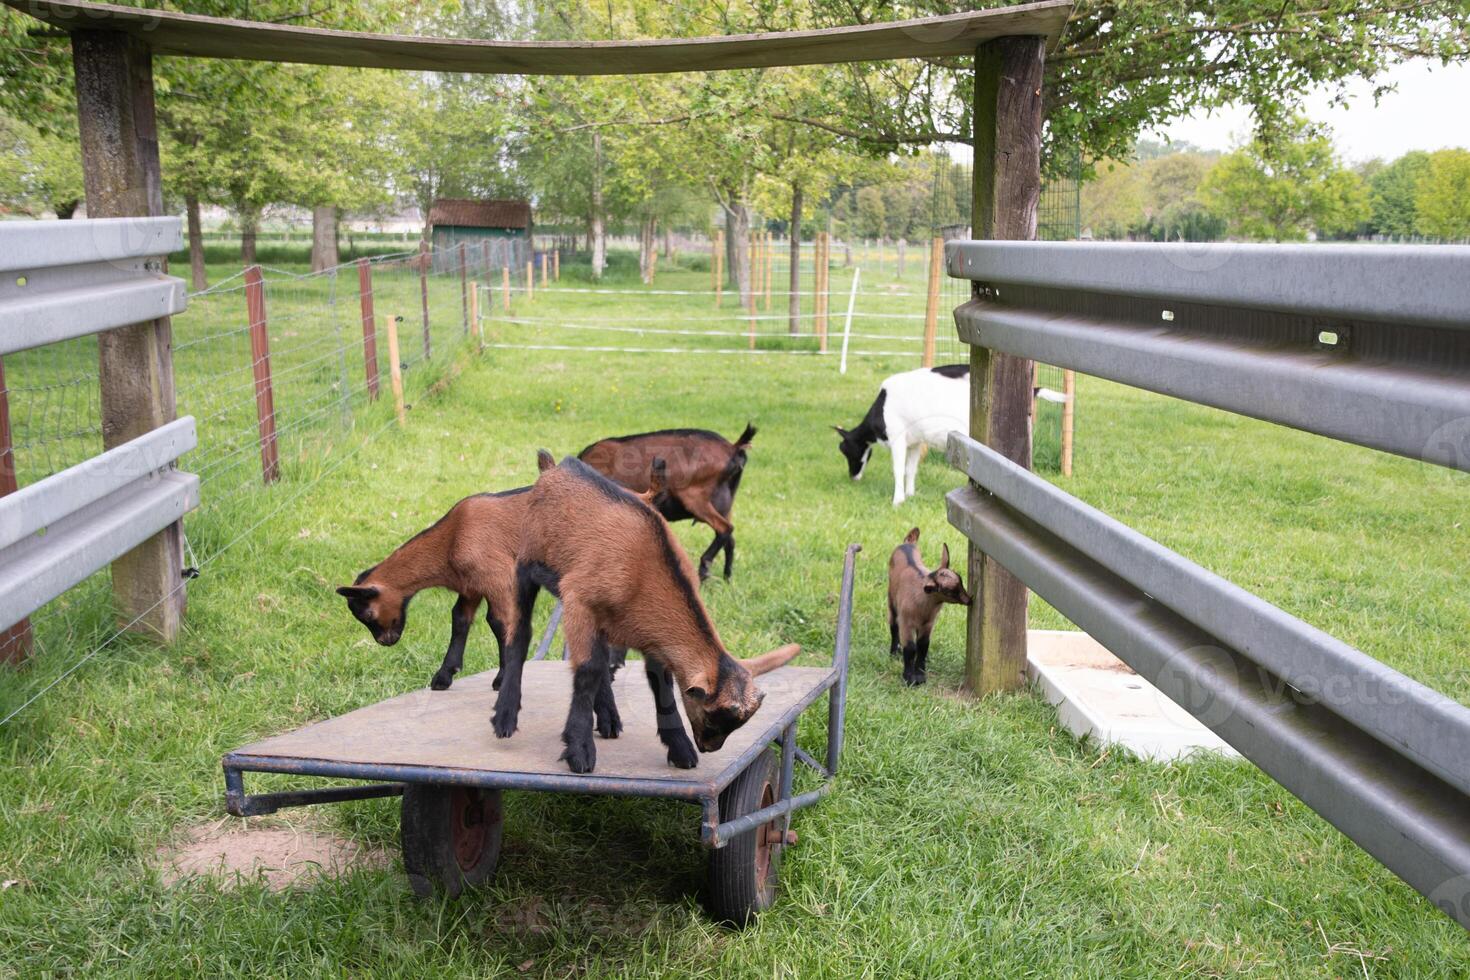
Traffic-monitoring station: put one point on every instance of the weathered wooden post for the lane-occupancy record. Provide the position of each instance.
(120, 169)
(1007, 119)
(424, 260)
(464, 288)
(369, 326)
(505, 288)
(15, 641)
(931, 310)
(556, 265)
(395, 370)
(768, 273)
(260, 365)
(530, 281)
(545, 270)
(475, 312)
(823, 300)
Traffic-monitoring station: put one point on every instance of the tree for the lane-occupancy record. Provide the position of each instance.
(39, 170)
(1391, 194)
(1443, 196)
(1285, 184)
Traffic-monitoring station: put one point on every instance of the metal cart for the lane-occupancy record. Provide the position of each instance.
(436, 750)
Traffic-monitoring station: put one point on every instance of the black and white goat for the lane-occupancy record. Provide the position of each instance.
(913, 409)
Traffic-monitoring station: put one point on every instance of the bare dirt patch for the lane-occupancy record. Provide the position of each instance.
(283, 855)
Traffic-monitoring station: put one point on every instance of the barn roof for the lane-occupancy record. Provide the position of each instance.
(455, 212)
(170, 32)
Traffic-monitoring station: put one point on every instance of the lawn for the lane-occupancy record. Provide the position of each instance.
(964, 838)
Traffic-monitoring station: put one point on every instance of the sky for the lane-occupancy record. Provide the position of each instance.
(1427, 112)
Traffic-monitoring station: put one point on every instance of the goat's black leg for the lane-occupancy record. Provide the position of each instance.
(729, 554)
(892, 631)
(460, 619)
(921, 659)
(910, 653)
(722, 542)
(609, 723)
(589, 676)
(682, 754)
(497, 628)
(508, 704)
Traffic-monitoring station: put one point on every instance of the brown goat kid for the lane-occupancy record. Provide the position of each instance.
(703, 474)
(624, 582)
(915, 596)
(470, 551)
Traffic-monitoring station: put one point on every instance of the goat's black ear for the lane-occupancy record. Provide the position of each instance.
(840, 431)
(697, 692)
(659, 478)
(358, 591)
(929, 586)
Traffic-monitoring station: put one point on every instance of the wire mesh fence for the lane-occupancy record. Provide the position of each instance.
(320, 355)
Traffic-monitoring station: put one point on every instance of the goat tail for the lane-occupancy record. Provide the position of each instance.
(911, 537)
(745, 437)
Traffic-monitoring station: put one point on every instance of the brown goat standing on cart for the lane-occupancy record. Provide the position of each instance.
(915, 596)
(624, 582)
(703, 474)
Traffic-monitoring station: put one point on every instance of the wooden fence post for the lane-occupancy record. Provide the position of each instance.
(475, 312)
(395, 369)
(770, 272)
(931, 311)
(424, 259)
(556, 265)
(1007, 120)
(464, 288)
(16, 640)
(505, 288)
(530, 281)
(120, 168)
(545, 271)
(823, 277)
(1069, 408)
(369, 326)
(260, 364)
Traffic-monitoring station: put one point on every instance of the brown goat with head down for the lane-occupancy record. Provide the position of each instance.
(703, 474)
(624, 582)
(915, 596)
(470, 551)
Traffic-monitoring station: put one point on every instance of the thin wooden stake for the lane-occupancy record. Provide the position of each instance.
(464, 288)
(475, 312)
(424, 295)
(260, 362)
(556, 265)
(770, 269)
(395, 370)
(505, 289)
(931, 311)
(1069, 408)
(369, 326)
(545, 274)
(530, 281)
(16, 640)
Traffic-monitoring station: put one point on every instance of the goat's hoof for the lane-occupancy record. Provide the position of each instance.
(914, 679)
(504, 723)
(581, 758)
(441, 681)
(609, 725)
(683, 756)
(703, 573)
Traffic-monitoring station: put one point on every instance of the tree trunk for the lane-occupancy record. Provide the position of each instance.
(249, 224)
(669, 242)
(737, 244)
(599, 226)
(197, 277)
(793, 306)
(324, 253)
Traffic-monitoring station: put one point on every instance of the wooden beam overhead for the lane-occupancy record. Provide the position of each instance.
(170, 33)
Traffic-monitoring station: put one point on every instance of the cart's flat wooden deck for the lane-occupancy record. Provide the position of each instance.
(445, 736)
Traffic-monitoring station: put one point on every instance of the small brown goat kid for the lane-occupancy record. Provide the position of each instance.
(915, 596)
(703, 474)
(624, 582)
(470, 551)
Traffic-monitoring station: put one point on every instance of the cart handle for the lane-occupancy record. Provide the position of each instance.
(837, 699)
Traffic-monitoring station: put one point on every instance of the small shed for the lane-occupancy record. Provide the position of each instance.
(500, 228)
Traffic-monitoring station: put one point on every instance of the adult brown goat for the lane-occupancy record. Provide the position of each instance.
(703, 474)
(624, 582)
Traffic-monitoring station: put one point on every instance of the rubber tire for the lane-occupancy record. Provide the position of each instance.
(736, 890)
(444, 847)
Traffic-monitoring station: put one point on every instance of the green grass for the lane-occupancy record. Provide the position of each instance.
(964, 838)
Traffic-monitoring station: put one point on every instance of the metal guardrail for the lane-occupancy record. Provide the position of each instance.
(1366, 344)
(65, 279)
(1369, 345)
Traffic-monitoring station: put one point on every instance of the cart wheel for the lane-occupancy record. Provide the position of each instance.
(450, 837)
(742, 875)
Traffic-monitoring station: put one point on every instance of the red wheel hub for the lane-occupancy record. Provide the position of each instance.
(467, 825)
(765, 838)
